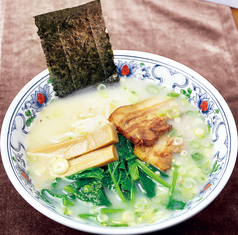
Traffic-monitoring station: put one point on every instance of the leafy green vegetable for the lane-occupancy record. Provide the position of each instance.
(155, 169)
(123, 176)
(117, 174)
(118, 225)
(174, 204)
(151, 173)
(147, 184)
(124, 148)
(197, 156)
(94, 172)
(89, 187)
(133, 169)
(55, 182)
(86, 216)
(45, 196)
(111, 210)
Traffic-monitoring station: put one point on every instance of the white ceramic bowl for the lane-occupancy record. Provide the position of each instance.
(38, 93)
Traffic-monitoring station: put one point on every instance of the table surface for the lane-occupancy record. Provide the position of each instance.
(198, 34)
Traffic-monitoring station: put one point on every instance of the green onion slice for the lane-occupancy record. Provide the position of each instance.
(173, 113)
(172, 95)
(152, 89)
(103, 90)
(134, 98)
(195, 144)
(161, 113)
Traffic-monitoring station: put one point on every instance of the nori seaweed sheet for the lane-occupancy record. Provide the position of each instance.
(77, 48)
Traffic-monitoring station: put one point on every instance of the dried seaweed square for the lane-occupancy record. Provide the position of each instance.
(77, 48)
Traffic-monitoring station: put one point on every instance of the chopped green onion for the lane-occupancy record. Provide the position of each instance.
(206, 170)
(173, 113)
(103, 90)
(182, 170)
(188, 184)
(188, 194)
(192, 171)
(189, 113)
(31, 158)
(152, 89)
(39, 169)
(195, 144)
(184, 153)
(129, 216)
(172, 95)
(172, 132)
(102, 218)
(199, 131)
(201, 178)
(177, 141)
(157, 199)
(142, 204)
(134, 98)
(184, 102)
(161, 113)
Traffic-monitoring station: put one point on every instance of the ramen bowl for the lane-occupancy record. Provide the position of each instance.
(38, 93)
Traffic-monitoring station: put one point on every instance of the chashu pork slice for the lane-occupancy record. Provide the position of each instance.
(161, 153)
(140, 123)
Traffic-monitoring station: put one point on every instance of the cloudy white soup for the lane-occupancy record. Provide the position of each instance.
(124, 154)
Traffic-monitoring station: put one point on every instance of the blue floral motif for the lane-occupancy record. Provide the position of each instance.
(203, 102)
(145, 69)
(39, 99)
(126, 69)
(22, 172)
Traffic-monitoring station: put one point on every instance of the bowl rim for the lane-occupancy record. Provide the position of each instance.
(129, 230)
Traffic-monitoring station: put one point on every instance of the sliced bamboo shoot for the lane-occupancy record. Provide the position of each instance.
(97, 158)
(107, 135)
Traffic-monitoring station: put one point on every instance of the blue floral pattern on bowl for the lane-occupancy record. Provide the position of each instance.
(129, 64)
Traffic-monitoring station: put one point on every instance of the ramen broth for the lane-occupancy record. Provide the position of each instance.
(58, 122)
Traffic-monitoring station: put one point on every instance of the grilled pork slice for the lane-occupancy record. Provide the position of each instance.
(160, 154)
(140, 123)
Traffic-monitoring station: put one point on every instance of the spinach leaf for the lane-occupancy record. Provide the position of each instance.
(155, 169)
(55, 182)
(125, 182)
(174, 204)
(116, 175)
(147, 184)
(89, 190)
(94, 172)
(65, 200)
(124, 148)
(151, 174)
(133, 169)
